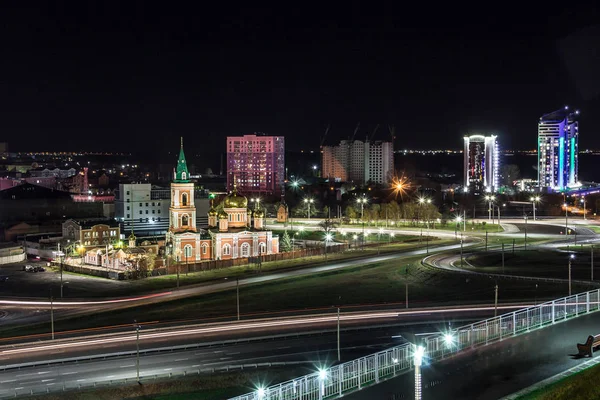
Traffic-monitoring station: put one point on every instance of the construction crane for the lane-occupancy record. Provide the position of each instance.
(355, 131)
(392, 130)
(374, 132)
(324, 136)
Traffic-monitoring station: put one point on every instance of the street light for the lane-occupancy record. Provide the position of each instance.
(571, 257)
(328, 237)
(449, 339)
(137, 347)
(584, 210)
(362, 201)
(418, 354)
(534, 199)
(490, 199)
(322, 378)
(566, 219)
(308, 203)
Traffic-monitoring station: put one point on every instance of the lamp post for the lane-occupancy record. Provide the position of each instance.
(308, 203)
(566, 219)
(461, 250)
(362, 202)
(571, 257)
(328, 237)
(52, 315)
(419, 352)
(490, 199)
(137, 349)
(534, 200)
(60, 255)
(379, 232)
(584, 210)
(498, 208)
(526, 232)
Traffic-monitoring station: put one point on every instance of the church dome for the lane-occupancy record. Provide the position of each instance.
(259, 213)
(212, 212)
(233, 200)
(223, 215)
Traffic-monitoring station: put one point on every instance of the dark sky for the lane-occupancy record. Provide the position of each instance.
(124, 76)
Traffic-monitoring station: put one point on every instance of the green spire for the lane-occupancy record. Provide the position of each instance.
(181, 173)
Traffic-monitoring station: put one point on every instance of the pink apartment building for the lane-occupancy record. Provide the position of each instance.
(256, 164)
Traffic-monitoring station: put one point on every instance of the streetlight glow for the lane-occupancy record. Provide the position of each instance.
(322, 374)
(449, 339)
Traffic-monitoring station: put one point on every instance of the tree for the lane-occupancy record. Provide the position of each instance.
(286, 242)
(328, 225)
(510, 174)
(351, 213)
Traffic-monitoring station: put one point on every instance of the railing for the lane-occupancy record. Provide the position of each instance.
(334, 382)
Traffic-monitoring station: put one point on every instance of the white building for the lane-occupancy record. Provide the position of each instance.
(481, 163)
(145, 208)
(358, 161)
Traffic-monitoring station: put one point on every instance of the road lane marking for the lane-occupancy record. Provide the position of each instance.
(182, 359)
(48, 384)
(79, 380)
(230, 354)
(127, 366)
(195, 366)
(43, 372)
(12, 380)
(47, 380)
(68, 373)
(225, 358)
(167, 369)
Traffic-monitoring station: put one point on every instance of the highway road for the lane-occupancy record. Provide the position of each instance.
(15, 352)
(312, 351)
(497, 370)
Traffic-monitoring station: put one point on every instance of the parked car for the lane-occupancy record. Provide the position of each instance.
(38, 268)
(28, 268)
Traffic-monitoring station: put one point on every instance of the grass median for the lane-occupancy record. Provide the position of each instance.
(579, 386)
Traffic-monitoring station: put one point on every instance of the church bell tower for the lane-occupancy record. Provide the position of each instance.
(182, 213)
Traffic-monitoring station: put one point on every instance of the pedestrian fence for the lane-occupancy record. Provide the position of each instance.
(145, 379)
(336, 381)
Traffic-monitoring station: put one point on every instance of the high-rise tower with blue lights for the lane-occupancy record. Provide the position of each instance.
(558, 148)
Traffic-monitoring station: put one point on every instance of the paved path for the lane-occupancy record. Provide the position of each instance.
(497, 370)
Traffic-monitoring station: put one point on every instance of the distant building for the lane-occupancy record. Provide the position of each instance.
(3, 147)
(32, 203)
(92, 233)
(145, 208)
(359, 162)
(481, 164)
(55, 172)
(558, 148)
(256, 164)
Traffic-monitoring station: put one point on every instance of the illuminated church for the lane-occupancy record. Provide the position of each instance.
(233, 232)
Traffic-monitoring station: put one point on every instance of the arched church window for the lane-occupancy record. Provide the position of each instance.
(245, 250)
(184, 199)
(184, 220)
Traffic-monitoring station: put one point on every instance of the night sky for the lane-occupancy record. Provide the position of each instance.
(124, 76)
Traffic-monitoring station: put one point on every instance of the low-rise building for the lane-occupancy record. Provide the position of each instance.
(91, 233)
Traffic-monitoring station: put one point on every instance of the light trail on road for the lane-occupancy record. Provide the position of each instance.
(81, 303)
(289, 322)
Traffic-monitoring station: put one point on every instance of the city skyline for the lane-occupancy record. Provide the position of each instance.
(124, 79)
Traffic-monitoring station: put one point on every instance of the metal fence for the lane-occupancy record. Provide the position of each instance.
(334, 382)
